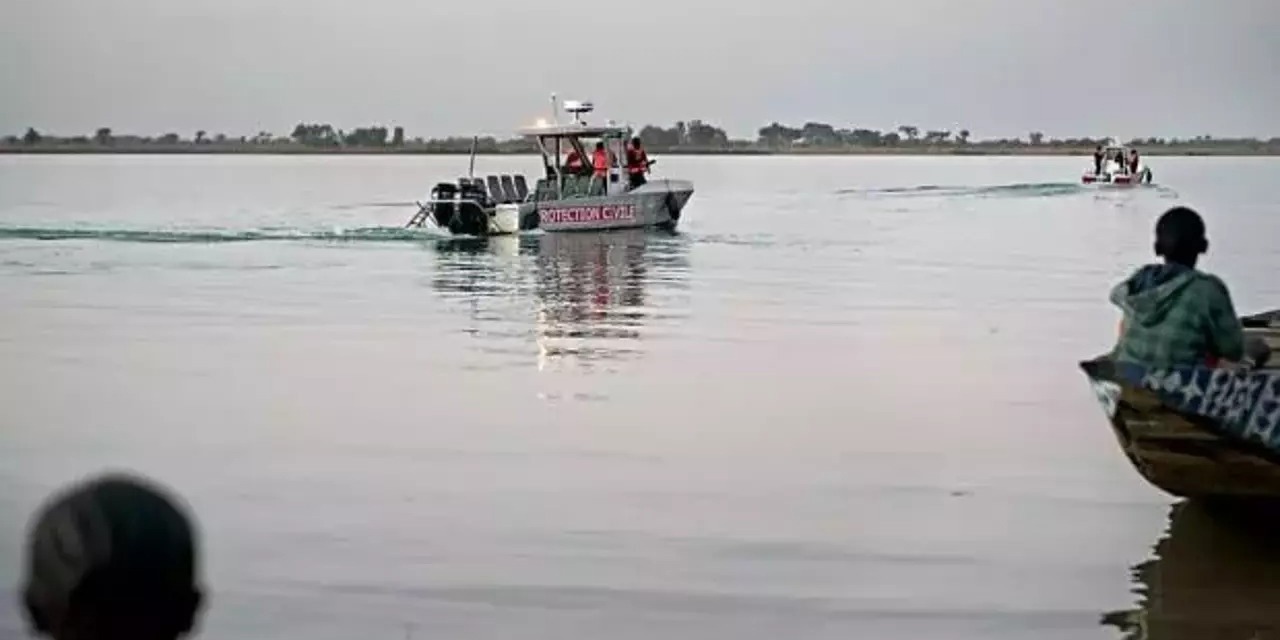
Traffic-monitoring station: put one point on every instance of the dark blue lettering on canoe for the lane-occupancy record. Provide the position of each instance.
(1240, 402)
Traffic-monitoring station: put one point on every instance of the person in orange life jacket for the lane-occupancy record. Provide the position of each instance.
(637, 163)
(600, 161)
(599, 169)
(573, 164)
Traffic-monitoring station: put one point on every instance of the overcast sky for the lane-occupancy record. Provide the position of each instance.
(997, 67)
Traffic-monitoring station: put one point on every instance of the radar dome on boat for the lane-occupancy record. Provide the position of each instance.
(578, 106)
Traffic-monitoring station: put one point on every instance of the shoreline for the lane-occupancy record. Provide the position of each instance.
(1189, 150)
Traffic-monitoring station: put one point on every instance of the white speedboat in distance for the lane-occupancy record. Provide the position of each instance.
(1116, 169)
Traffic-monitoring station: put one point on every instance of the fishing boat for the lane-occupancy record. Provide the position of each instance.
(562, 199)
(1114, 172)
(1199, 432)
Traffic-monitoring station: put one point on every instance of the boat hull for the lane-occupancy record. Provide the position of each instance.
(655, 204)
(1118, 179)
(1196, 432)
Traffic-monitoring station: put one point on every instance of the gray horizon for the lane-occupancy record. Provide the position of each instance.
(999, 68)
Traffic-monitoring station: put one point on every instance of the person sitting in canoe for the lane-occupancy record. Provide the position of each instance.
(1175, 314)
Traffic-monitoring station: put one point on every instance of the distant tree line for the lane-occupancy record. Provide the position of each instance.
(684, 136)
(324, 135)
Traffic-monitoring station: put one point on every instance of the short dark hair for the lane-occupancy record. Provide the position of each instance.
(1180, 233)
(111, 555)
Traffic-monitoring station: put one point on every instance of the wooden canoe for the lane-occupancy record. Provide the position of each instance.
(1199, 432)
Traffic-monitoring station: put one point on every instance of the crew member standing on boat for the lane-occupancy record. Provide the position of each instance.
(1133, 161)
(600, 161)
(637, 163)
(1097, 161)
(600, 167)
(573, 164)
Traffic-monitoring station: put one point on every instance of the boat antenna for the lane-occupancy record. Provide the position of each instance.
(555, 109)
(471, 168)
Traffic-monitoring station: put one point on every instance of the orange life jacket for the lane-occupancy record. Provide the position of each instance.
(637, 161)
(600, 163)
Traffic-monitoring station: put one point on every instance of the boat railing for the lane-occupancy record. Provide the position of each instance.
(420, 218)
(472, 201)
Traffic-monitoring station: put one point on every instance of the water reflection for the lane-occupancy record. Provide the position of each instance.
(585, 298)
(1215, 574)
(480, 267)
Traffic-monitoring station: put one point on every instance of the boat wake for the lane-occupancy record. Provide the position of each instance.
(1026, 190)
(213, 236)
(372, 205)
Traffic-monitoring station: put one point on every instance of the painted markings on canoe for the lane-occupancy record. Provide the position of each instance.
(1108, 394)
(1244, 403)
(594, 213)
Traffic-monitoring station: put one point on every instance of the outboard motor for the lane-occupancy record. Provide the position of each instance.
(471, 217)
(443, 211)
(475, 191)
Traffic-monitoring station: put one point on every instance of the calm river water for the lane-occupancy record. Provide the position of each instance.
(842, 402)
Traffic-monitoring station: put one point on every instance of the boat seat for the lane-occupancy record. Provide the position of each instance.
(476, 184)
(495, 190)
(509, 189)
(522, 188)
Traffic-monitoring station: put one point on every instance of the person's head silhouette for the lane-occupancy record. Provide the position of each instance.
(111, 558)
(1180, 237)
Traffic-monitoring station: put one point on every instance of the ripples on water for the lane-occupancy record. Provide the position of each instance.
(842, 401)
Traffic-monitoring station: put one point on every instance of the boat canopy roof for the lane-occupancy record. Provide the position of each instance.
(1114, 144)
(573, 130)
